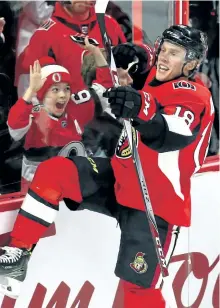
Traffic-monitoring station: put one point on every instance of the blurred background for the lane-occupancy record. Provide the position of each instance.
(22, 19)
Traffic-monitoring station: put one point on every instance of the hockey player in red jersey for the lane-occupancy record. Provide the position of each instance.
(173, 117)
(181, 133)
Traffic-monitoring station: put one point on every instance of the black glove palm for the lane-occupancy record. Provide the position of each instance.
(125, 102)
(125, 54)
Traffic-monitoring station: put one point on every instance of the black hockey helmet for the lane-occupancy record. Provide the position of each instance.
(193, 40)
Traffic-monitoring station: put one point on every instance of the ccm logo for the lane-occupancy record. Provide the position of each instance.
(161, 252)
(147, 103)
(182, 84)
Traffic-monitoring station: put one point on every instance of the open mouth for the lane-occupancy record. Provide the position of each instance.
(60, 105)
(162, 68)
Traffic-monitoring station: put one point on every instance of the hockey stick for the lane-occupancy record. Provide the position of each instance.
(100, 8)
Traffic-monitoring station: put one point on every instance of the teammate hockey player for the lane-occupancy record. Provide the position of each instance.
(173, 117)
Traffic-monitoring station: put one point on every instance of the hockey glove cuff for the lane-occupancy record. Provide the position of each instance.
(126, 102)
(148, 108)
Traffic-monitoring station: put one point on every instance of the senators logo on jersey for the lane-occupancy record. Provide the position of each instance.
(123, 149)
(139, 265)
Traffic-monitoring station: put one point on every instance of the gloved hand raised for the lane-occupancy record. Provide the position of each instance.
(127, 53)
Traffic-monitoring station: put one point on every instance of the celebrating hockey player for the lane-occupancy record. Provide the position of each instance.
(172, 120)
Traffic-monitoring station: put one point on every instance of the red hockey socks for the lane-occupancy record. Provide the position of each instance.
(138, 297)
(35, 216)
(55, 179)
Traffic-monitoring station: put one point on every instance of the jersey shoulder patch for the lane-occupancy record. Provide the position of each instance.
(184, 84)
(48, 24)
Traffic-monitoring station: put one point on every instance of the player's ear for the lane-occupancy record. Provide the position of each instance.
(190, 66)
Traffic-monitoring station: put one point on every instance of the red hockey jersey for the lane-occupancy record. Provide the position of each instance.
(46, 135)
(168, 174)
(53, 38)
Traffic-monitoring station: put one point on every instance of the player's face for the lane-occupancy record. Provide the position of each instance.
(80, 7)
(170, 61)
(56, 98)
(124, 77)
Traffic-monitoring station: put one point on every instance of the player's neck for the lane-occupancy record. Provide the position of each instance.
(77, 16)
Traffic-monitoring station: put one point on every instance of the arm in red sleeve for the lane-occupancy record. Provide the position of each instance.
(171, 127)
(103, 77)
(114, 31)
(120, 34)
(19, 119)
(40, 45)
(150, 56)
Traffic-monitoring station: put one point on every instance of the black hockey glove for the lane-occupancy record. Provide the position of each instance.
(125, 102)
(126, 53)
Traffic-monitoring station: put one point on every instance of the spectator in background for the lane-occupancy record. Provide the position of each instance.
(48, 126)
(2, 37)
(33, 14)
(7, 58)
(204, 16)
(125, 22)
(53, 39)
(55, 126)
(2, 41)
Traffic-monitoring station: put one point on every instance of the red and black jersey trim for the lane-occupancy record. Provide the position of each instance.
(34, 218)
(43, 201)
(40, 200)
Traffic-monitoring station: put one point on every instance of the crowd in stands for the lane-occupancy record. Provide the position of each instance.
(204, 16)
(37, 118)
